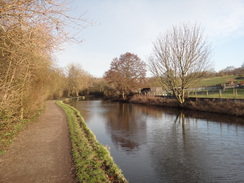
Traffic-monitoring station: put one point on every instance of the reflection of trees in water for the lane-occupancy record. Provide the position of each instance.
(183, 153)
(175, 155)
(152, 111)
(127, 126)
(178, 148)
(82, 107)
(214, 117)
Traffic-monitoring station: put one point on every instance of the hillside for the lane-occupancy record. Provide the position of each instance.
(218, 80)
(230, 91)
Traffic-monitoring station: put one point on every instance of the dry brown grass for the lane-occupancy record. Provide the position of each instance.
(229, 107)
(157, 101)
(235, 108)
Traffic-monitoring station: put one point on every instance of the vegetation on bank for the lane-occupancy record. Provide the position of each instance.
(92, 160)
(230, 107)
(8, 131)
(30, 32)
(208, 105)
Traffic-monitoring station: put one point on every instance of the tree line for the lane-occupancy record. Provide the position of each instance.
(180, 58)
(30, 31)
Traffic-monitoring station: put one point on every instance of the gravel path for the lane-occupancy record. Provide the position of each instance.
(41, 153)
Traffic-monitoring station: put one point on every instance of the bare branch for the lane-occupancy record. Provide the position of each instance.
(180, 57)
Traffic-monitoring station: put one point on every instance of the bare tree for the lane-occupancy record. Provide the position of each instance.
(77, 80)
(179, 58)
(126, 73)
(56, 82)
(30, 30)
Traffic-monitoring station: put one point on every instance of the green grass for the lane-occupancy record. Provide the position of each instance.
(92, 160)
(9, 128)
(228, 93)
(216, 81)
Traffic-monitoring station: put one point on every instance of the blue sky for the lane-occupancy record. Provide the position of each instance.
(132, 25)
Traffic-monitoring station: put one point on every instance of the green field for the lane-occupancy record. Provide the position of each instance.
(216, 81)
(228, 93)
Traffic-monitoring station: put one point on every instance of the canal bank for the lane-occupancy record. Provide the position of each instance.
(92, 160)
(40, 152)
(222, 106)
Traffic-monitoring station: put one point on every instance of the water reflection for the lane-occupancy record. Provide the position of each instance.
(193, 150)
(127, 126)
(154, 144)
(84, 106)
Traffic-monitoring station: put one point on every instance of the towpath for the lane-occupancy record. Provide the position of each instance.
(41, 153)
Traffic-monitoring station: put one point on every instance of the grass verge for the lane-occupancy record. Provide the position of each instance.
(92, 160)
(9, 129)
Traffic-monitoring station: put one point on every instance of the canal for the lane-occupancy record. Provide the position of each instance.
(152, 144)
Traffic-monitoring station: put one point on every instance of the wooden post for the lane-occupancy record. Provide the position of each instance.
(220, 94)
(224, 87)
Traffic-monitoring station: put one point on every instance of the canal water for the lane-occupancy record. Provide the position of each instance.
(152, 144)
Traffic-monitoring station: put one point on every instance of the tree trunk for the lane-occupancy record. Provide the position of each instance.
(77, 93)
(180, 96)
(123, 95)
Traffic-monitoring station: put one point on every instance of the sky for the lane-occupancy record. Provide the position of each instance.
(120, 26)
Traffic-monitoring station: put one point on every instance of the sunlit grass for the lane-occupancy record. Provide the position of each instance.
(92, 160)
(229, 93)
(9, 129)
(216, 81)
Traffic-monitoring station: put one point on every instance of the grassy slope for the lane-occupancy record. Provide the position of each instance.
(8, 131)
(216, 81)
(92, 160)
(229, 93)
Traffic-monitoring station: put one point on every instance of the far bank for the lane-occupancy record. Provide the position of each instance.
(233, 107)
